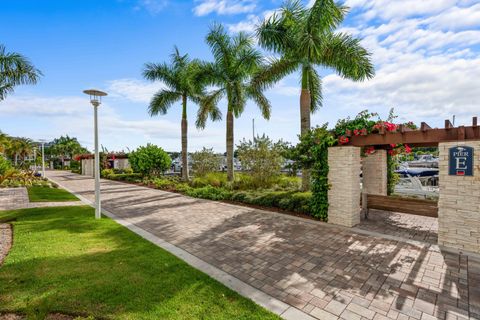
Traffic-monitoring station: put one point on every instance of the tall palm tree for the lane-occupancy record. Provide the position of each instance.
(184, 81)
(15, 70)
(236, 62)
(306, 39)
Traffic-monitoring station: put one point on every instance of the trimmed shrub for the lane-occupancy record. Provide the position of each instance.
(150, 160)
(128, 177)
(106, 172)
(209, 192)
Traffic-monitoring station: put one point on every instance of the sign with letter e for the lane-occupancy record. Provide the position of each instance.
(460, 161)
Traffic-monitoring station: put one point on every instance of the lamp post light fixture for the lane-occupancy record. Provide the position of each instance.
(96, 100)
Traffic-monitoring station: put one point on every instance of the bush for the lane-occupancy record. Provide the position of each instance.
(209, 192)
(150, 160)
(128, 177)
(214, 179)
(169, 183)
(289, 182)
(5, 165)
(106, 172)
(262, 158)
(286, 200)
(128, 170)
(204, 162)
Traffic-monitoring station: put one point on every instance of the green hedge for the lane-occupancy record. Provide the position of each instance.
(128, 177)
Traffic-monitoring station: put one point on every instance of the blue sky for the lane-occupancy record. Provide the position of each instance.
(426, 55)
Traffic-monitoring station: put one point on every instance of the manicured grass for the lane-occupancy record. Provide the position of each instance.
(45, 194)
(63, 260)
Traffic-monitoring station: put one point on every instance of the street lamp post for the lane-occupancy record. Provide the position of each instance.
(96, 100)
(42, 141)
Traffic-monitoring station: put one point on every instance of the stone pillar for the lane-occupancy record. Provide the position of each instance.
(459, 202)
(375, 173)
(344, 179)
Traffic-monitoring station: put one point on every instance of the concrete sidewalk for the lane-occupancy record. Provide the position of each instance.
(315, 269)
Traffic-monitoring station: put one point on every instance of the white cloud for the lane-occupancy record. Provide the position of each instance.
(152, 6)
(223, 7)
(133, 89)
(250, 23)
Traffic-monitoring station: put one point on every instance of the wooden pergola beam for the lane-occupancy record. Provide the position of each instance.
(429, 137)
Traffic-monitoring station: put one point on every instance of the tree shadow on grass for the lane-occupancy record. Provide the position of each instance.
(109, 272)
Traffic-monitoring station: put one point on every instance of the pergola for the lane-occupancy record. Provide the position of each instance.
(424, 137)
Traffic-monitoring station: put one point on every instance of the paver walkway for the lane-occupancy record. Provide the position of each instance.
(328, 272)
(402, 225)
(17, 198)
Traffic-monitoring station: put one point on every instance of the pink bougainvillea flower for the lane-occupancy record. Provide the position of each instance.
(408, 149)
(343, 140)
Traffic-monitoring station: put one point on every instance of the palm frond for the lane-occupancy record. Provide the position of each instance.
(270, 74)
(315, 88)
(15, 69)
(325, 16)
(220, 44)
(162, 101)
(161, 72)
(346, 56)
(208, 108)
(260, 100)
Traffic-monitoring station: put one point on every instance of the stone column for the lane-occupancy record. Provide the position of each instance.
(459, 202)
(344, 179)
(375, 173)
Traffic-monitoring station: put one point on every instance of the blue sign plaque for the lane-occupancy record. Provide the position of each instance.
(460, 161)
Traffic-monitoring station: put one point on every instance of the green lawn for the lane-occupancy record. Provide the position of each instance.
(45, 194)
(63, 260)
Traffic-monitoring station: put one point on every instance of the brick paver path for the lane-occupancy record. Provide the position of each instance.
(17, 198)
(403, 225)
(328, 272)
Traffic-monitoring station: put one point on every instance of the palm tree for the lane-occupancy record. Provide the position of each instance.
(306, 39)
(236, 62)
(15, 70)
(5, 142)
(19, 148)
(65, 147)
(184, 81)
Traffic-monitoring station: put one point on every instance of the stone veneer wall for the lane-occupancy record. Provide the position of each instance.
(459, 203)
(87, 167)
(375, 173)
(344, 178)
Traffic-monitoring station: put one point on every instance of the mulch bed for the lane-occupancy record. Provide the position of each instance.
(5, 240)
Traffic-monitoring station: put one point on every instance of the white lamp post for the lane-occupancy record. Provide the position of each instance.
(42, 141)
(96, 100)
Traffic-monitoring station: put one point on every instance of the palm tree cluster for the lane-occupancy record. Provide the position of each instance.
(302, 39)
(64, 148)
(15, 70)
(17, 149)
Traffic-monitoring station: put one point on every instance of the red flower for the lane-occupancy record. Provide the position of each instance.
(343, 140)
(356, 132)
(363, 131)
(408, 149)
(393, 145)
(391, 152)
(390, 126)
(369, 150)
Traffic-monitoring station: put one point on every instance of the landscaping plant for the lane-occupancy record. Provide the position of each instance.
(205, 161)
(262, 159)
(149, 160)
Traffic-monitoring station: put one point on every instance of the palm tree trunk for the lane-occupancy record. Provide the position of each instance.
(305, 102)
(230, 174)
(184, 139)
